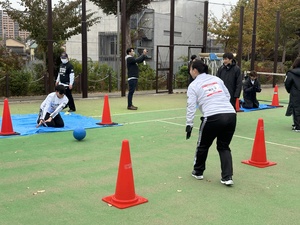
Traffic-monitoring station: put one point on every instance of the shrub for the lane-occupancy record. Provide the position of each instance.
(19, 82)
(146, 77)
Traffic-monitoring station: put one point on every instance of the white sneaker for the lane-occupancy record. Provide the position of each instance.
(197, 176)
(228, 182)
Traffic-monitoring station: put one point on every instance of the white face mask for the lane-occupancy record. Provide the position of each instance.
(64, 61)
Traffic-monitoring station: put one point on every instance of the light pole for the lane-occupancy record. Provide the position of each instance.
(254, 36)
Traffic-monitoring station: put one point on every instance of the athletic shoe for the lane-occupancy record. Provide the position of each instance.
(71, 110)
(197, 176)
(227, 182)
(296, 130)
(293, 127)
(132, 108)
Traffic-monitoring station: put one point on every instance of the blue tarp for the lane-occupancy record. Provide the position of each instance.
(25, 124)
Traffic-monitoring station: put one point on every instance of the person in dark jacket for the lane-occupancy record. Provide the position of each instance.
(231, 75)
(250, 87)
(292, 86)
(133, 73)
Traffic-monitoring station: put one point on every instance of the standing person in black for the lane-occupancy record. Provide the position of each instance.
(292, 86)
(250, 87)
(133, 73)
(66, 77)
(231, 75)
(193, 57)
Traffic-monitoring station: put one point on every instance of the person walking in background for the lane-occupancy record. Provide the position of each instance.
(292, 86)
(210, 95)
(193, 57)
(231, 75)
(51, 107)
(133, 73)
(66, 78)
(251, 85)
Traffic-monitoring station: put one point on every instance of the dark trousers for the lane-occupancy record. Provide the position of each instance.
(71, 103)
(56, 121)
(296, 119)
(222, 127)
(131, 89)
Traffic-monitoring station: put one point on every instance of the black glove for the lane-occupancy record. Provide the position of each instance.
(188, 131)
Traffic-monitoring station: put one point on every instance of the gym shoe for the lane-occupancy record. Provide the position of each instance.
(296, 130)
(227, 182)
(132, 108)
(197, 176)
(71, 110)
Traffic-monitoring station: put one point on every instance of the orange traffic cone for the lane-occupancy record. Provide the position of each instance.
(7, 128)
(237, 105)
(125, 196)
(275, 100)
(259, 157)
(106, 118)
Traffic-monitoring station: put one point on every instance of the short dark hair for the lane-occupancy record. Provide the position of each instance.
(193, 57)
(296, 63)
(200, 66)
(253, 73)
(129, 50)
(228, 55)
(60, 89)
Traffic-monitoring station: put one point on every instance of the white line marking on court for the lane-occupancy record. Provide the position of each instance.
(139, 112)
(182, 125)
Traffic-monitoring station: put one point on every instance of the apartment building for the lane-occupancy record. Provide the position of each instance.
(10, 29)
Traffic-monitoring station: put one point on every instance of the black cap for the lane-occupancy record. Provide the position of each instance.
(64, 55)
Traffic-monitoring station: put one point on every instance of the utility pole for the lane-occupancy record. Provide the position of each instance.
(84, 73)
(205, 26)
(171, 58)
(276, 46)
(118, 44)
(254, 36)
(240, 47)
(50, 48)
(123, 31)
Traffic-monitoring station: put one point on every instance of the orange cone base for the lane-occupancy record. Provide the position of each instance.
(107, 124)
(122, 204)
(9, 133)
(259, 164)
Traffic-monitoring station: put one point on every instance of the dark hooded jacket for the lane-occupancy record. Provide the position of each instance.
(292, 86)
(249, 93)
(232, 78)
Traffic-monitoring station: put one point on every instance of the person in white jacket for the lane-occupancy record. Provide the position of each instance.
(50, 108)
(210, 95)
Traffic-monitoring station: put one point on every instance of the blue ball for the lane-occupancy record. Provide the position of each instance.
(79, 133)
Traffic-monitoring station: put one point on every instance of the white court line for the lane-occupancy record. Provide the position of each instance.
(139, 112)
(182, 125)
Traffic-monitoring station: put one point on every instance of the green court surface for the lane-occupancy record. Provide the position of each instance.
(53, 179)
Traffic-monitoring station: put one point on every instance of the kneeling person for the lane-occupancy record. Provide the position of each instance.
(250, 87)
(51, 107)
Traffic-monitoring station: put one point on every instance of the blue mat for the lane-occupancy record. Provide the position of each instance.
(25, 124)
(261, 107)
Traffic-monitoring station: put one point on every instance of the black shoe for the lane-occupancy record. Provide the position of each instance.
(197, 175)
(132, 108)
(71, 110)
(227, 182)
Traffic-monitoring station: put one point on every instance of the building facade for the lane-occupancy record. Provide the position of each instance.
(11, 29)
(153, 28)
